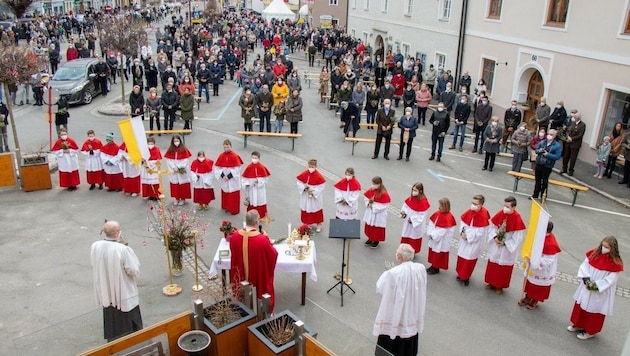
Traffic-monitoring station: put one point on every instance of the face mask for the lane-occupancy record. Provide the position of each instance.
(150, 146)
(605, 250)
(474, 207)
(387, 86)
(374, 186)
(522, 128)
(572, 119)
(254, 160)
(91, 138)
(541, 135)
(448, 90)
(387, 107)
(494, 123)
(348, 177)
(415, 193)
(463, 91)
(201, 159)
(63, 137)
(408, 114)
(311, 170)
(463, 101)
(507, 210)
(176, 143)
(513, 107)
(543, 104)
(484, 103)
(558, 106)
(549, 137)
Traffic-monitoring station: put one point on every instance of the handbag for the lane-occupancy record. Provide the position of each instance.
(532, 155)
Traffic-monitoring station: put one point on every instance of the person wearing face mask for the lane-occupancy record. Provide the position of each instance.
(311, 184)
(547, 153)
(492, 135)
(558, 116)
(483, 113)
(350, 116)
(575, 133)
(423, 99)
(91, 148)
(408, 125)
(203, 191)
(293, 81)
(216, 75)
(66, 149)
(505, 236)
(440, 122)
(511, 120)
(541, 136)
(115, 269)
(595, 296)
(130, 172)
(473, 233)
(151, 181)
(448, 98)
(111, 164)
(520, 142)
(462, 112)
(293, 107)
(385, 117)
(543, 112)
(372, 99)
(347, 192)
(387, 92)
(255, 177)
(178, 162)
(228, 172)
(440, 230)
(264, 102)
(377, 201)
(153, 103)
(413, 213)
(541, 277)
(279, 91)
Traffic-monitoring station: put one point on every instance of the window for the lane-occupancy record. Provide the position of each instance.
(557, 13)
(384, 6)
(617, 109)
(353, 32)
(409, 8)
(423, 60)
(445, 10)
(440, 60)
(488, 73)
(494, 9)
(366, 6)
(406, 49)
(333, 2)
(626, 28)
(354, 4)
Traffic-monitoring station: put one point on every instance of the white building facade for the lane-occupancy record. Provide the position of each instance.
(422, 29)
(575, 51)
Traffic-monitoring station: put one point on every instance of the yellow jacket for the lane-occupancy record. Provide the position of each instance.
(279, 93)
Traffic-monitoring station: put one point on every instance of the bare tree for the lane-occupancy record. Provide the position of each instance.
(122, 33)
(19, 7)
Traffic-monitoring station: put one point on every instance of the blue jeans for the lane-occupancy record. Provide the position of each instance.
(479, 139)
(265, 121)
(461, 129)
(279, 123)
(439, 141)
(371, 117)
(517, 160)
(204, 86)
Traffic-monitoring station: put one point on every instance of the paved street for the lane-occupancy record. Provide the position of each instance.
(48, 300)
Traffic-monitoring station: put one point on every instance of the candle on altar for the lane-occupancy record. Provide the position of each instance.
(289, 229)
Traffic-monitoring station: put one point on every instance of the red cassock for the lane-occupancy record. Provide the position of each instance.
(416, 205)
(481, 218)
(497, 275)
(444, 220)
(398, 81)
(202, 195)
(113, 181)
(68, 177)
(152, 189)
(257, 171)
(262, 257)
(230, 200)
(312, 179)
(534, 291)
(180, 189)
(130, 184)
(376, 232)
(93, 176)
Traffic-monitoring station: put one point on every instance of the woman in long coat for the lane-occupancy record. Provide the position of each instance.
(151, 74)
(492, 135)
(294, 110)
(187, 105)
(246, 102)
(324, 78)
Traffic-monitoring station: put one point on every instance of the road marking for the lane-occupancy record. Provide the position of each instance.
(436, 175)
(205, 118)
(229, 103)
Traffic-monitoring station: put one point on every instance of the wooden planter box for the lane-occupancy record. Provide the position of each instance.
(259, 345)
(231, 339)
(35, 175)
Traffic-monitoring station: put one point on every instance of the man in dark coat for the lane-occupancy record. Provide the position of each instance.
(440, 121)
(170, 101)
(574, 133)
(350, 116)
(558, 116)
(511, 120)
(385, 118)
(102, 71)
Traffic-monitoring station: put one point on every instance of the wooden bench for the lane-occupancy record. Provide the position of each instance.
(269, 134)
(167, 132)
(309, 77)
(356, 140)
(575, 188)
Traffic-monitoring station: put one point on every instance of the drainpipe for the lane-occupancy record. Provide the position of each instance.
(460, 44)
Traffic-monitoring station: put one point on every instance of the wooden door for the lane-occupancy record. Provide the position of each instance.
(535, 91)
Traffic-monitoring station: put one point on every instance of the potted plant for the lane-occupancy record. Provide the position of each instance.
(226, 321)
(275, 335)
(35, 171)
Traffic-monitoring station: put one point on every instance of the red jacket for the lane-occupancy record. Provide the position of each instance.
(398, 81)
(72, 53)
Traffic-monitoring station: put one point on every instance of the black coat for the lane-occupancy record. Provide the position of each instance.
(169, 99)
(137, 104)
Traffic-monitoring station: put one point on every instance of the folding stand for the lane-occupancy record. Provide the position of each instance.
(346, 230)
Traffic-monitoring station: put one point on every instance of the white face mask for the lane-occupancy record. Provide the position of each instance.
(311, 170)
(513, 107)
(440, 109)
(507, 210)
(448, 90)
(201, 159)
(227, 150)
(349, 177)
(474, 207)
(254, 160)
(150, 146)
(573, 119)
(549, 137)
(463, 101)
(176, 143)
(605, 250)
(494, 123)
(387, 107)
(541, 134)
(522, 128)
(63, 137)
(374, 186)
(415, 193)
(91, 138)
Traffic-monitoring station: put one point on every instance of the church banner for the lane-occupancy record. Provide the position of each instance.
(132, 131)
(536, 231)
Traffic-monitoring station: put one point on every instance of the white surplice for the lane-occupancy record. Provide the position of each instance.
(472, 247)
(229, 185)
(115, 268)
(601, 301)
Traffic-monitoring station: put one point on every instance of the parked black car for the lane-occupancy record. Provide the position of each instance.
(76, 81)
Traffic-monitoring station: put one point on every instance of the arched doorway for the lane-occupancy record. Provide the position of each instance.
(535, 91)
(379, 47)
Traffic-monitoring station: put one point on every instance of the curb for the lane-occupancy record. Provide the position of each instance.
(622, 202)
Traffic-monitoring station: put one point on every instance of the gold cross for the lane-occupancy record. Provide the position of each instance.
(267, 220)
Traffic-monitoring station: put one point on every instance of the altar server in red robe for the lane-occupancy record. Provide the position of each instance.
(253, 257)
(66, 150)
(413, 213)
(203, 191)
(254, 178)
(311, 184)
(111, 164)
(441, 227)
(541, 277)
(504, 239)
(130, 171)
(91, 148)
(595, 296)
(347, 193)
(151, 181)
(473, 233)
(177, 158)
(377, 201)
(228, 171)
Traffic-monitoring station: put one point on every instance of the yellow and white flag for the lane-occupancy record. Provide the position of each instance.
(536, 231)
(132, 131)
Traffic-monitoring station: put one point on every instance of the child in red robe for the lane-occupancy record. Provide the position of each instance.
(377, 201)
(311, 186)
(66, 149)
(111, 164)
(177, 160)
(203, 191)
(440, 231)
(228, 171)
(131, 173)
(254, 178)
(151, 181)
(93, 166)
(413, 213)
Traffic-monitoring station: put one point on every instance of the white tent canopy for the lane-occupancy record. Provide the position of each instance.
(278, 10)
(304, 10)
